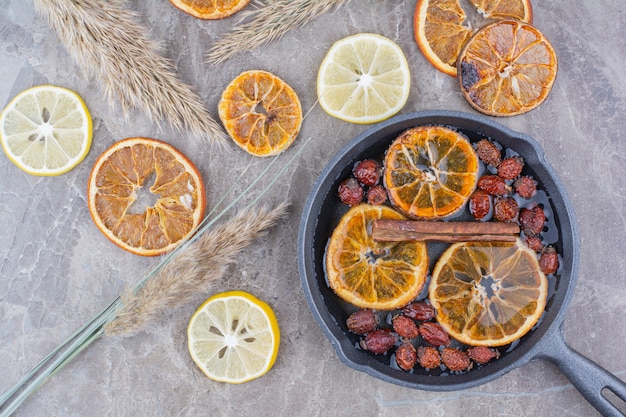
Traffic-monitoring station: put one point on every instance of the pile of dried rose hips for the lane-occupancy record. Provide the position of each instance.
(363, 185)
(413, 326)
(497, 196)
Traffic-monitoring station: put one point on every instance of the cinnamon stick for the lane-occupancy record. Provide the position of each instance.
(414, 230)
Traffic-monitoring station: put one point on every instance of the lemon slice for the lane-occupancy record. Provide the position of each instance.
(46, 130)
(364, 78)
(233, 337)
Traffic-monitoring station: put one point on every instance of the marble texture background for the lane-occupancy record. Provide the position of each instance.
(57, 270)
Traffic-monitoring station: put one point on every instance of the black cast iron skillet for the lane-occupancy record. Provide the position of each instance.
(323, 211)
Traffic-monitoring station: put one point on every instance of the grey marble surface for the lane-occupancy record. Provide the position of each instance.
(57, 270)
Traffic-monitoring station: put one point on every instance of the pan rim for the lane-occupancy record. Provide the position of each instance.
(530, 349)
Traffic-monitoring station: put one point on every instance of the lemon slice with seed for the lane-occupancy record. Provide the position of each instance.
(46, 130)
(233, 337)
(364, 78)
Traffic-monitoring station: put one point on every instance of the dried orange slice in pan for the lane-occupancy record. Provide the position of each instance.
(430, 172)
(210, 9)
(507, 68)
(488, 294)
(145, 196)
(441, 27)
(370, 274)
(261, 113)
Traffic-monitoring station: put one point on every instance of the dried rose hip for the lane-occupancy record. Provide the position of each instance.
(362, 321)
(480, 204)
(368, 172)
(405, 327)
(482, 354)
(434, 334)
(377, 195)
(505, 209)
(350, 192)
(488, 152)
(493, 185)
(455, 359)
(549, 261)
(406, 356)
(511, 167)
(532, 220)
(428, 357)
(525, 187)
(419, 310)
(535, 243)
(378, 341)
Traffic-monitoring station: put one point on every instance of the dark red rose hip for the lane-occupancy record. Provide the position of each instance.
(406, 356)
(505, 209)
(434, 334)
(493, 185)
(525, 187)
(482, 354)
(549, 261)
(368, 172)
(511, 167)
(535, 243)
(532, 220)
(350, 192)
(480, 204)
(488, 152)
(405, 327)
(377, 195)
(362, 321)
(455, 359)
(428, 357)
(378, 341)
(419, 310)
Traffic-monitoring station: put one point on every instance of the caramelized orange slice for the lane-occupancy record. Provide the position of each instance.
(507, 68)
(261, 113)
(488, 294)
(430, 172)
(210, 9)
(145, 196)
(441, 27)
(369, 274)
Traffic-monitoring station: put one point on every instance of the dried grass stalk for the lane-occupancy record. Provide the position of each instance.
(270, 22)
(106, 40)
(189, 272)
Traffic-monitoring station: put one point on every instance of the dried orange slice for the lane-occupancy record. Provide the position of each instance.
(261, 113)
(488, 294)
(210, 9)
(145, 221)
(441, 27)
(507, 68)
(369, 274)
(430, 172)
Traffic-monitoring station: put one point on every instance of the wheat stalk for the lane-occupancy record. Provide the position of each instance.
(191, 270)
(107, 41)
(270, 22)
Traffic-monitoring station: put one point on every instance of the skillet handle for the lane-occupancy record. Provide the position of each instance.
(587, 376)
